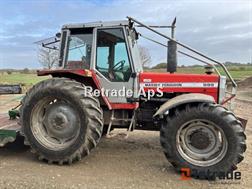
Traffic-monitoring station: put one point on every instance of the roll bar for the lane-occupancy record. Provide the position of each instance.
(132, 20)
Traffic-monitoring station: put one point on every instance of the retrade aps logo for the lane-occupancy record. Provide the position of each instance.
(123, 92)
(187, 173)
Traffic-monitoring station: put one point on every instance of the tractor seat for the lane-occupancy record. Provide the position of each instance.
(119, 76)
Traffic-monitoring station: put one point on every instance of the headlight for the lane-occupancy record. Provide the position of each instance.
(222, 89)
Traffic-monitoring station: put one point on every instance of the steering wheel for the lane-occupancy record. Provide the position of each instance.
(119, 65)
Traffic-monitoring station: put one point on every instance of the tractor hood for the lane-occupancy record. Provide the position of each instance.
(180, 83)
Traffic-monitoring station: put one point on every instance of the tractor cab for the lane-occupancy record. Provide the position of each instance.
(104, 46)
(107, 49)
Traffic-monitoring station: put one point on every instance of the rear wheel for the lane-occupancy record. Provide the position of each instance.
(206, 138)
(60, 123)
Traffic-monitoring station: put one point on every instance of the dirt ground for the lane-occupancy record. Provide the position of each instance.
(136, 162)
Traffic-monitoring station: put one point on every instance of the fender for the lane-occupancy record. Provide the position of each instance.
(64, 72)
(184, 99)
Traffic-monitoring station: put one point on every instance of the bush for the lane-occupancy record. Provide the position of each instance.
(9, 72)
(25, 71)
(160, 66)
(242, 68)
(233, 68)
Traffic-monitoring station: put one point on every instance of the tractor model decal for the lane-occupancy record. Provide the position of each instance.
(180, 85)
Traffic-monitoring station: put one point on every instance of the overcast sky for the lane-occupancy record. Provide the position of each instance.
(220, 29)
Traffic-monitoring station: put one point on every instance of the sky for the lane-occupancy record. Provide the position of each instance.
(221, 29)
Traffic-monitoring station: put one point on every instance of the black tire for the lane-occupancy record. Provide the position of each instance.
(85, 108)
(216, 114)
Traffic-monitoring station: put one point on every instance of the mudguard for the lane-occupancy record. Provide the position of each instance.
(184, 99)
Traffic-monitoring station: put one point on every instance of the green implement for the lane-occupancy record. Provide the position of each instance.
(13, 114)
(9, 129)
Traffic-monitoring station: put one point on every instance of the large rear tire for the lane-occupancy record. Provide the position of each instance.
(206, 138)
(59, 122)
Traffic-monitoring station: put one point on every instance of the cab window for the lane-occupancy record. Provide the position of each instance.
(79, 51)
(112, 58)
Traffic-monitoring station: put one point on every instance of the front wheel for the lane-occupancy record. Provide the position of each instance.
(206, 138)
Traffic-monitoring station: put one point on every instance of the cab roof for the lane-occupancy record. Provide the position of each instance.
(97, 24)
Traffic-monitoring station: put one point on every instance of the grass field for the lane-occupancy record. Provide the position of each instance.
(20, 78)
(29, 79)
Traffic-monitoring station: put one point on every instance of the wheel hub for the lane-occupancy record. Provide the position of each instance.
(60, 121)
(200, 140)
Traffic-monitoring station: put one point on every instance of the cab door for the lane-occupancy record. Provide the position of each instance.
(113, 63)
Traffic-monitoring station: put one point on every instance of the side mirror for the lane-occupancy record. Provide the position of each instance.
(136, 36)
(133, 75)
(58, 35)
(133, 34)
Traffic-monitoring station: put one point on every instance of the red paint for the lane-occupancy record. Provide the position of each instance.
(228, 99)
(176, 77)
(124, 105)
(80, 72)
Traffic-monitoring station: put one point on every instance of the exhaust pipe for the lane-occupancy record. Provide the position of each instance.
(172, 57)
(172, 50)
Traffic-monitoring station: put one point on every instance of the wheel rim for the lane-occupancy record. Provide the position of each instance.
(55, 123)
(201, 142)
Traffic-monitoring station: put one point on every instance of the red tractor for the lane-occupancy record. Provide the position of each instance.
(100, 85)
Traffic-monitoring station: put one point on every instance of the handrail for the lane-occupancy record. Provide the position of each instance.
(188, 48)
